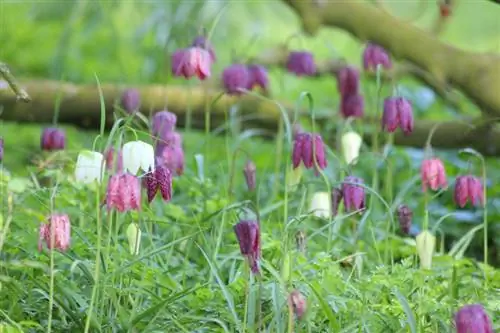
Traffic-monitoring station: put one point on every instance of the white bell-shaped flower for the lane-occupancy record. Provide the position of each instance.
(321, 205)
(426, 243)
(351, 144)
(89, 167)
(138, 155)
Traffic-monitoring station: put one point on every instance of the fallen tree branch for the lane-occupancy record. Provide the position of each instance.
(475, 74)
(12, 82)
(80, 106)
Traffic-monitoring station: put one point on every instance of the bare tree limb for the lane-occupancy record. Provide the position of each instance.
(11, 81)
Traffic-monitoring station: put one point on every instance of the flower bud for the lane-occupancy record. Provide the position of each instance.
(1, 149)
(320, 205)
(134, 238)
(433, 174)
(301, 63)
(89, 167)
(354, 195)
(257, 77)
(300, 240)
(248, 235)
(473, 318)
(405, 216)
(348, 81)
(351, 144)
(468, 188)
(375, 55)
(131, 100)
(352, 106)
(138, 155)
(163, 122)
(53, 139)
(123, 192)
(236, 78)
(190, 62)
(114, 159)
(202, 42)
(426, 243)
(250, 175)
(336, 200)
(56, 233)
(398, 112)
(298, 303)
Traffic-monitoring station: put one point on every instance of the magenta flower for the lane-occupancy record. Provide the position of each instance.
(159, 180)
(250, 175)
(298, 303)
(53, 139)
(1, 149)
(301, 63)
(354, 195)
(163, 122)
(352, 106)
(56, 234)
(193, 61)
(374, 55)
(398, 112)
(131, 100)
(468, 188)
(114, 159)
(236, 78)
(308, 148)
(202, 42)
(473, 319)
(405, 216)
(123, 192)
(248, 235)
(258, 77)
(348, 81)
(336, 200)
(433, 174)
(171, 156)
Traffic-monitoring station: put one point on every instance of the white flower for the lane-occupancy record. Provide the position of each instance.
(89, 167)
(351, 144)
(138, 155)
(321, 205)
(426, 242)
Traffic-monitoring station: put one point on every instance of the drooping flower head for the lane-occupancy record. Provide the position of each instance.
(131, 100)
(248, 235)
(351, 144)
(89, 167)
(374, 55)
(309, 148)
(473, 319)
(301, 63)
(405, 216)
(336, 200)
(56, 234)
(114, 159)
(348, 81)
(193, 61)
(352, 106)
(236, 78)
(249, 171)
(53, 139)
(468, 188)
(258, 77)
(321, 205)
(169, 153)
(433, 174)
(201, 41)
(398, 112)
(159, 180)
(138, 155)
(123, 192)
(163, 122)
(298, 303)
(353, 194)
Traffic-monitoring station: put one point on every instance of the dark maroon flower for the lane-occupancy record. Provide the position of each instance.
(301, 63)
(405, 216)
(56, 234)
(336, 200)
(348, 81)
(250, 176)
(354, 195)
(163, 122)
(374, 55)
(398, 112)
(193, 61)
(352, 106)
(1, 149)
(53, 139)
(131, 100)
(248, 235)
(171, 155)
(473, 319)
(298, 303)
(202, 42)
(307, 148)
(159, 180)
(123, 192)
(257, 77)
(433, 174)
(468, 188)
(236, 78)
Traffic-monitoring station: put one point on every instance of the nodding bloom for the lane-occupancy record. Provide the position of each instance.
(53, 139)
(336, 200)
(248, 235)
(320, 205)
(138, 155)
(114, 159)
(352, 106)
(131, 100)
(159, 180)
(236, 78)
(56, 234)
(307, 148)
(250, 175)
(374, 55)
(298, 303)
(348, 81)
(468, 188)
(163, 122)
(1, 149)
(405, 216)
(354, 195)
(89, 167)
(398, 112)
(473, 318)
(169, 153)
(351, 144)
(296, 130)
(123, 192)
(433, 174)
(193, 61)
(258, 77)
(202, 42)
(301, 63)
